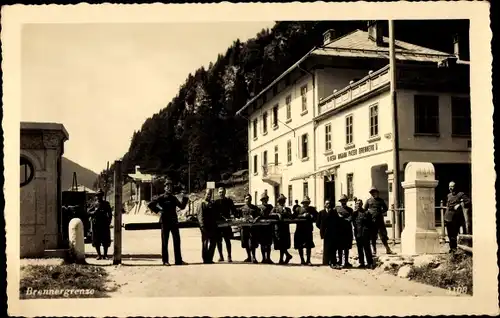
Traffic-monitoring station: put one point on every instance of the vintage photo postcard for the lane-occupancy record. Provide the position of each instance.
(300, 159)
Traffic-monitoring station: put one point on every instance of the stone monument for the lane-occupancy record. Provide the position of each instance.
(419, 235)
(76, 241)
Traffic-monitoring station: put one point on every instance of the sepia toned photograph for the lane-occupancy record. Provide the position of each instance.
(209, 160)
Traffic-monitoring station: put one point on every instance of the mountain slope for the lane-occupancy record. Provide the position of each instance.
(84, 176)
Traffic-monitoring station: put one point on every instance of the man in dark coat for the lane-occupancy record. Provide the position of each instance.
(282, 241)
(101, 215)
(377, 208)
(344, 231)
(249, 242)
(265, 232)
(363, 227)
(327, 223)
(207, 218)
(303, 237)
(226, 210)
(167, 204)
(454, 216)
(296, 206)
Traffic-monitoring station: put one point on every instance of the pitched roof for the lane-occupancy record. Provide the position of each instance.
(357, 44)
(82, 188)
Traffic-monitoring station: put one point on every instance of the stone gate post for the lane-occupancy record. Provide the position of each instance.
(419, 235)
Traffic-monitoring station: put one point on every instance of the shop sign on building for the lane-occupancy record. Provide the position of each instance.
(353, 152)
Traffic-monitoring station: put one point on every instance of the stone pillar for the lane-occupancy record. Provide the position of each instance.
(76, 241)
(419, 235)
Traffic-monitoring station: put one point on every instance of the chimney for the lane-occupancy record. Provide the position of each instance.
(375, 32)
(456, 46)
(329, 36)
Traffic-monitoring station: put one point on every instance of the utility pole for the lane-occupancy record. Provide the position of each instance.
(395, 128)
(117, 247)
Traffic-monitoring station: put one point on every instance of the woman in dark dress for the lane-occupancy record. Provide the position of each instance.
(101, 216)
(303, 237)
(249, 242)
(282, 241)
(265, 232)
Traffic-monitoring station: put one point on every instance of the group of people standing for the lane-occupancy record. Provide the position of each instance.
(337, 227)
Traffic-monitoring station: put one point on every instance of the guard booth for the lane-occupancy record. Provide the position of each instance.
(75, 203)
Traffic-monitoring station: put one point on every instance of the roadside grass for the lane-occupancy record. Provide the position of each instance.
(454, 273)
(53, 280)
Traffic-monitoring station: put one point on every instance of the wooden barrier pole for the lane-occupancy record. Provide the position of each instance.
(441, 211)
(117, 247)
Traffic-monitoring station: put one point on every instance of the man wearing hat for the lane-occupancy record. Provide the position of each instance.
(166, 204)
(101, 216)
(282, 241)
(454, 216)
(327, 223)
(265, 232)
(303, 237)
(248, 236)
(225, 209)
(344, 213)
(377, 208)
(207, 218)
(363, 227)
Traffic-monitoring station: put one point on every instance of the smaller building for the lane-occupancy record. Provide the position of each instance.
(42, 147)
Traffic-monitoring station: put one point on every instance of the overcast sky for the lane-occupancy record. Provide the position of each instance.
(103, 80)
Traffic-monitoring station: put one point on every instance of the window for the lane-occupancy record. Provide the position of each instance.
(255, 198)
(264, 159)
(288, 107)
(350, 186)
(348, 130)
(264, 122)
(460, 116)
(426, 114)
(303, 93)
(289, 151)
(255, 165)
(275, 115)
(328, 137)
(373, 120)
(255, 128)
(276, 156)
(27, 171)
(290, 195)
(304, 146)
(306, 189)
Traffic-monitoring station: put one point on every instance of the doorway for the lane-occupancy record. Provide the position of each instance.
(329, 187)
(276, 194)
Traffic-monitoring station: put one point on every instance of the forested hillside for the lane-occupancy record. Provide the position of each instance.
(199, 125)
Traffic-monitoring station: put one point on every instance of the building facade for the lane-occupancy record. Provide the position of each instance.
(324, 127)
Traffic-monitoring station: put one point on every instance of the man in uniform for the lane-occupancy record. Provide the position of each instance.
(166, 204)
(362, 222)
(327, 224)
(101, 216)
(454, 216)
(226, 210)
(377, 208)
(344, 233)
(303, 237)
(248, 237)
(207, 218)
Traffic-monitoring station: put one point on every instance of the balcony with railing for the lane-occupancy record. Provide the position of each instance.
(272, 173)
(355, 90)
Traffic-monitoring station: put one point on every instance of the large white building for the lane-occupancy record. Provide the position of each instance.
(324, 127)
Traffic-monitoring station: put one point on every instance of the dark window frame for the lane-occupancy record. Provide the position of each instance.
(426, 114)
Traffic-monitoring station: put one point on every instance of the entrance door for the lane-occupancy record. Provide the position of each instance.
(276, 194)
(329, 186)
